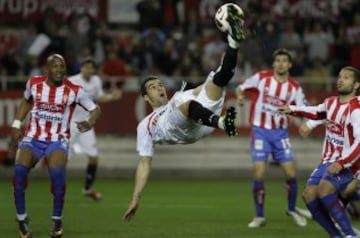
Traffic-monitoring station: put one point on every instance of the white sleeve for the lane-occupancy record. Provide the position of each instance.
(314, 123)
(144, 142)
(300, 99)
(355, 120)
(249, 83)
(312, 112)
(27, 91)
(99, 88)
(84, 101)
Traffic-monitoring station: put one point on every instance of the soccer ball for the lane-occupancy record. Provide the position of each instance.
(222, 14)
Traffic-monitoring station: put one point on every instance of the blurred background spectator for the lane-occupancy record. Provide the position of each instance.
(177, 38)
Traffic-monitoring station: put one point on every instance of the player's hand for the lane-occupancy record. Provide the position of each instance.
(240, 97)
(284, 109)
(16, 135)
(13, 146)
(130, 212)
(304, 130)
(116, 94)
(334, 168)
(83, 126)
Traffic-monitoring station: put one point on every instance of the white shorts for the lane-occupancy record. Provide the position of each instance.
(215, 106)
(177, 127)
(83, 143)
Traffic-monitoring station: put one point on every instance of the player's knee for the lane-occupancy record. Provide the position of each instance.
(93, 160)
(184, 108)
(289, 169)
(308, 195)
(322, 192)
(259, 175)
(57, 161)
(259, 170)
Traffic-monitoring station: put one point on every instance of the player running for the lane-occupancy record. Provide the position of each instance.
(85, 143)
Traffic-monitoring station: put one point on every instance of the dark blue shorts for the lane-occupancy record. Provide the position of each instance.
(41, 149)
(356, 196)
(275, 142)
(317, 174)
(339, 181)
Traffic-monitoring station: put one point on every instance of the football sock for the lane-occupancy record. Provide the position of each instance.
(291, 193)
(337, 212)
(322, 217)
(345, 201)
(226, 71)
(353, 210)
(58, 188)
(90, 175)
(19, 185)
(202, 115)
(259, 197)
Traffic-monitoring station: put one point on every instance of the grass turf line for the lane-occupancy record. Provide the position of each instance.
(169, 209)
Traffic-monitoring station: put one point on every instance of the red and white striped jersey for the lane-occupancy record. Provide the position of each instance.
(268, 94)
(342, 137)
(53, 108)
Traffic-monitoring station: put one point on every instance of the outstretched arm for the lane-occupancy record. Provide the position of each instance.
(306, 128)
(114, 95)
(141, 178)
(250, 84)
(84, 101)
(312, 112)
(240, 96)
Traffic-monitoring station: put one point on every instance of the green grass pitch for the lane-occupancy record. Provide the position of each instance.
(169, 209)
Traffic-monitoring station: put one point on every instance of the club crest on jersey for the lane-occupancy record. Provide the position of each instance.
(155, 119)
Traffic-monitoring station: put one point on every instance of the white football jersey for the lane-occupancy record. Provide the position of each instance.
(93, 88)
(167, 124)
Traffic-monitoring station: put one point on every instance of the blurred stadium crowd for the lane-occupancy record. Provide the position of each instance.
(169, 39)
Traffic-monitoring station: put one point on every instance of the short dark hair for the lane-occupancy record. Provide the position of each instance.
(143, 83)
(88, 60)
(282, 51)
(355, 71)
